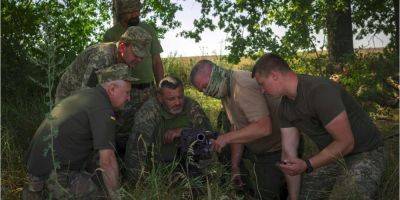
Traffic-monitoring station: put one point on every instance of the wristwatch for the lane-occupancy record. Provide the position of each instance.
(309, 166)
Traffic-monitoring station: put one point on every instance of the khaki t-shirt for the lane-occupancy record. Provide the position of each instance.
(246, 104)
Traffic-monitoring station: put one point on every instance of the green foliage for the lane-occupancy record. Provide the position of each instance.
(373, 17)
(74, 24)
(249, 23)
(161, 14)
(369, 78)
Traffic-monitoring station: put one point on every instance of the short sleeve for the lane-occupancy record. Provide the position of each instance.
(252, 102)
(326, 102)
(102, 124)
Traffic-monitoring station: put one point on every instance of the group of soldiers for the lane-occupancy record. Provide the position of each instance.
(115, 111)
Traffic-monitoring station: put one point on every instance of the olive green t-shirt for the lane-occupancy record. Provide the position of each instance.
(144, 70)
(320, 100)
(83, 123)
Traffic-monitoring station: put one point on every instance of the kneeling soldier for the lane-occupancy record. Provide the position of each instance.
(79, 126)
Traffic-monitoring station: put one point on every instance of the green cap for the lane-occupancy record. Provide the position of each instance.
(140, 40)
(127, 6)
(115, 72)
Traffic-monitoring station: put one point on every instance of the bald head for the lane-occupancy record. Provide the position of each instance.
(200, 74)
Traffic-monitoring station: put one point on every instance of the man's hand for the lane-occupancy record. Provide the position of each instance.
(220, 142)
(236, 179)
(293, 166)
(171, 134)
(110, 170)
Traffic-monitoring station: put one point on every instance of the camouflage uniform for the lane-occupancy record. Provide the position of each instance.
(151, 122)
(356, 176)
(81, 73)
(83, 124)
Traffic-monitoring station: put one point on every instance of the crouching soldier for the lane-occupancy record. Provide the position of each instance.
(255, 133)
(78, 127)
(350, 162)
(158, 122)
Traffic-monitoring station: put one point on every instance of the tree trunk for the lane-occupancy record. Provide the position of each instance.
(114, 12)
(340, 35)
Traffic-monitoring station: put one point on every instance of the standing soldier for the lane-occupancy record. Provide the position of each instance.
(128, 15)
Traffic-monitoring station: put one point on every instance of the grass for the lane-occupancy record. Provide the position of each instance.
(21, 117)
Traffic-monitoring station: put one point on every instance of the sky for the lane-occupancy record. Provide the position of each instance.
(214, 42)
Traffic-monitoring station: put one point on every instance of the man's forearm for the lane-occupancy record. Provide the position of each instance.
(111, 179)
(343, 141)
(236, 154)
(110, 171)
(330, 153)
(158, 68)
(253, 131)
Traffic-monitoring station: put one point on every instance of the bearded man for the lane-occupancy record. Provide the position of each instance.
(159, 122)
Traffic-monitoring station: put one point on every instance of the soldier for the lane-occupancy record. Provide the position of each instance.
(128, 15)
(255, 131)
(351, 157)
(79, 126)
(130, 49)
(159, 121)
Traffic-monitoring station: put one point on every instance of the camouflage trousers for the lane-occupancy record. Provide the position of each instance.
(356, 176)
(63, 185)
(126, 116)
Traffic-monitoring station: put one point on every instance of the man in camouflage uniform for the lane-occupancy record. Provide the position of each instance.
(79, 126)
(255, 133)
(150, 69)
(130, 49)
(351, 161)
(159, 121)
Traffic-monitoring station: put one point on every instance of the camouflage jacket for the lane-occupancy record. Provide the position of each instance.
(81, 73)
(151, 122)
